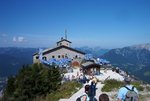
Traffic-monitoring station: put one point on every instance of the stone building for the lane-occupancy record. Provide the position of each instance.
(62, 50)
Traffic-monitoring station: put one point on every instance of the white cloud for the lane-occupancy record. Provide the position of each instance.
(21, 39)
(18, 39)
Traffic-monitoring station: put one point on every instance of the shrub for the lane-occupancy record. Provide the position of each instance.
(65, 91)
(111, 85)
(114, 84)
(138, 86)
(148, 88)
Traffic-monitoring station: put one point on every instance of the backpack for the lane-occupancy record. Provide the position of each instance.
(80, 98)
(131, 95)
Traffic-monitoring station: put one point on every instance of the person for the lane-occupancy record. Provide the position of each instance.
(87, 82)
(124, 90)
(94, 79)
(84, 79)
(92, 91)
(103, 97)
(86, 97)
(81, 78)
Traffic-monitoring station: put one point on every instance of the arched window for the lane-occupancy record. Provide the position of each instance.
(37, 57)
(44, 58)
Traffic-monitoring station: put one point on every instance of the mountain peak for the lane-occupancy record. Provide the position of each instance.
(134, 59)
(141, 46)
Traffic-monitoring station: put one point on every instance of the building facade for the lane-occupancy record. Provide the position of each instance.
(62, 50)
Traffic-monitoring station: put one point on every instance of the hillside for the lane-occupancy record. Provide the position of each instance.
(12, 59)
(134, 59)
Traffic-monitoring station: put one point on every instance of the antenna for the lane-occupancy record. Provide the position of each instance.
(66, 34)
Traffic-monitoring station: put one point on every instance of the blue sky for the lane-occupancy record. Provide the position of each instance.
(104, 23)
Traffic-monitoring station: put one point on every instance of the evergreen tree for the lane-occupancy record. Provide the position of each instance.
(32, 81)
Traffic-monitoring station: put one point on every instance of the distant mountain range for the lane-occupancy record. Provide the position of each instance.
(12, 59)
(96, 51)
(134, 59)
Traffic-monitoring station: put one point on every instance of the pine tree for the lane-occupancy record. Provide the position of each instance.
(32, 81)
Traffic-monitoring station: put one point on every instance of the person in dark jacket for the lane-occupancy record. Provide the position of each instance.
(92, 91)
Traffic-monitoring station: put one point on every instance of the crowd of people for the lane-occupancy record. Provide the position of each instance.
(126, 93)
(90, 83)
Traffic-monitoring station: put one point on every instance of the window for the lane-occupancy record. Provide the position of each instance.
(62, 56)
(76, 56)
(58, 56)
(53, 56)
(37, 57)
(66, 56)
(44, 58)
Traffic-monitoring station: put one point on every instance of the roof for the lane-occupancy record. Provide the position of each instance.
(90, 64)
(87, 63)
(54, 49)
(64, 40)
